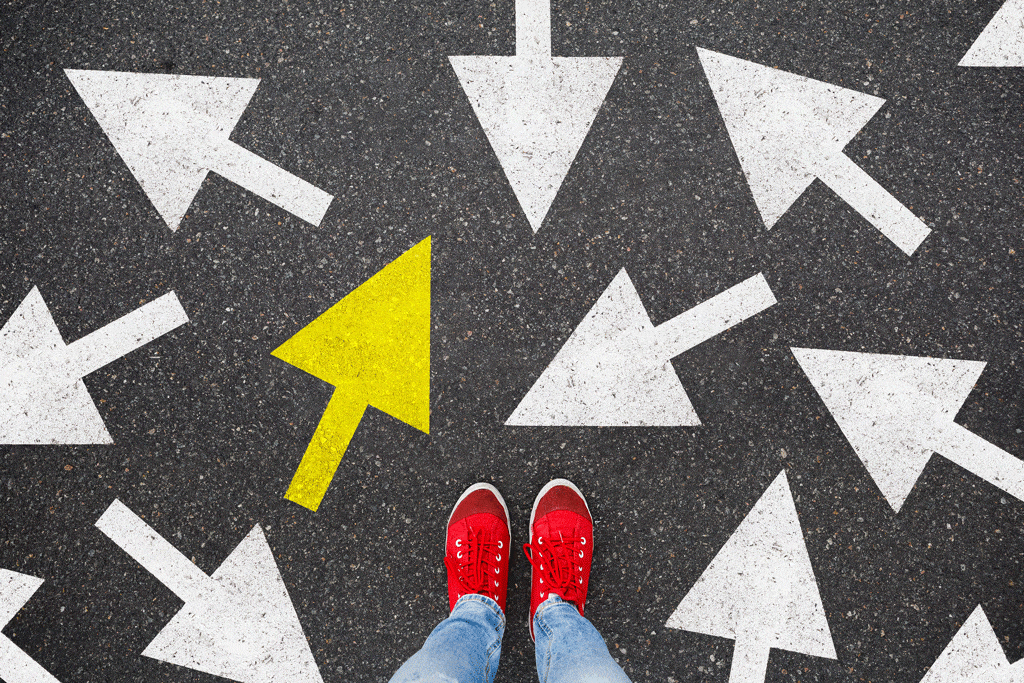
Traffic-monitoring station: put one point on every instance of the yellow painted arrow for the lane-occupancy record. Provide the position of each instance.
(374, 347)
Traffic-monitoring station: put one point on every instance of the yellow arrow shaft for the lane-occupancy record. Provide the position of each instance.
(323, 455)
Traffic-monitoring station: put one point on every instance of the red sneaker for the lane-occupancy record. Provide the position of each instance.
(477, 545)
(561, 545)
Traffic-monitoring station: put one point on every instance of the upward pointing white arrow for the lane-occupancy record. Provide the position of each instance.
(238, 623)
(43, 399)
(898, 410)
(974, 656)
(760, 590)
(615, 369)
(172, 129)
(15, 665)
(1002, 41)
(535, 109)
(789, 129)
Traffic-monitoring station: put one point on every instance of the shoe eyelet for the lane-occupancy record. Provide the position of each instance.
(540, 540)
(496, 570)
(459, 555)
(542, 595)
(495, 585)
(542, 580)
(581, 554)
(497, 558)
(501, 544)
(583, 540)
(542, 567)
(458, 542)
(581, 580)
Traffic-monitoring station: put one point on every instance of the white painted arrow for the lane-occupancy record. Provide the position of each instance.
(535, 109)
(898, 410)
(15, 664)
(1002, 41)
(788, 130)
(760, 591)
(974, 656)
(43, 399)
(615, 368)
(238, 623)
(171, 130)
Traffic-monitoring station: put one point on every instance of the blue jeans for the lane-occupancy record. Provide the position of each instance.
(466, 647)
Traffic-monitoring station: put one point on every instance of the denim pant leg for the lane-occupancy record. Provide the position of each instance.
(464, 648)
(569, 648)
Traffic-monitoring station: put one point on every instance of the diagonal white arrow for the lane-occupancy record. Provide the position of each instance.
(760, 590)
(1002, 41)
(238, 623)
(789, 129)
(615, 369)
(974, 656)
(535, 109)
(898, 410)
(43, 399)
(15, 665)
(172, 129)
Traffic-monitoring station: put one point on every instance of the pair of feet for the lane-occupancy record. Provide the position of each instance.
(560, 550)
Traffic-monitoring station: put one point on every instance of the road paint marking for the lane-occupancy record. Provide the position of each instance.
(171, 130)
(1002, 41)
(615, 368)
(239, 623)
(374, 347)
(788, 130)
(760, 591)
(43, 399)
(15, 664)
(535, 109)
(974, 655)
(898, 410)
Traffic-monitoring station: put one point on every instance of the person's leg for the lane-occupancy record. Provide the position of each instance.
(466, 647)
(569, 648)
(561, 548)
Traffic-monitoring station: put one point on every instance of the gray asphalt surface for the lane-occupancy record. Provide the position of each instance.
(360, 100)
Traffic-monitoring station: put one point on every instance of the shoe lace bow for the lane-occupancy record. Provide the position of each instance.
(555, 559)
(477, 564)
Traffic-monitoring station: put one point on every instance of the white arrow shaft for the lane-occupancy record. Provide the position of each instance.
(271, 182)
(749, 661)
(711, 318)
(980, 457)
(870, 200)
(119, 338)
(17, 667)
(155, 554)
(533, 28)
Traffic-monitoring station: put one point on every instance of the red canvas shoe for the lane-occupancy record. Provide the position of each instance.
(561, 546)
(477, 545)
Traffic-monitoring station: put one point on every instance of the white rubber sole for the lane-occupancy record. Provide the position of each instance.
(487, 487)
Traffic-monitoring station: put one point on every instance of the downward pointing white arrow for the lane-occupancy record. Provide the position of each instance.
(43, 399)
(760, 590)
(789, 130)
(238, 624)
(897, 410)
(535, 109)
(171, 130)
(614, 369)
(15, 665)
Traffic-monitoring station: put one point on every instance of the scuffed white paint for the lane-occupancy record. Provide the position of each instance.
(974, 656)
(239, 623)
(15, 664)
(615, 369)
(1002, 41)
(535, 109)
(760, 590)
(43, 399)
(171, 130)
(898, 410)
(788, 130)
